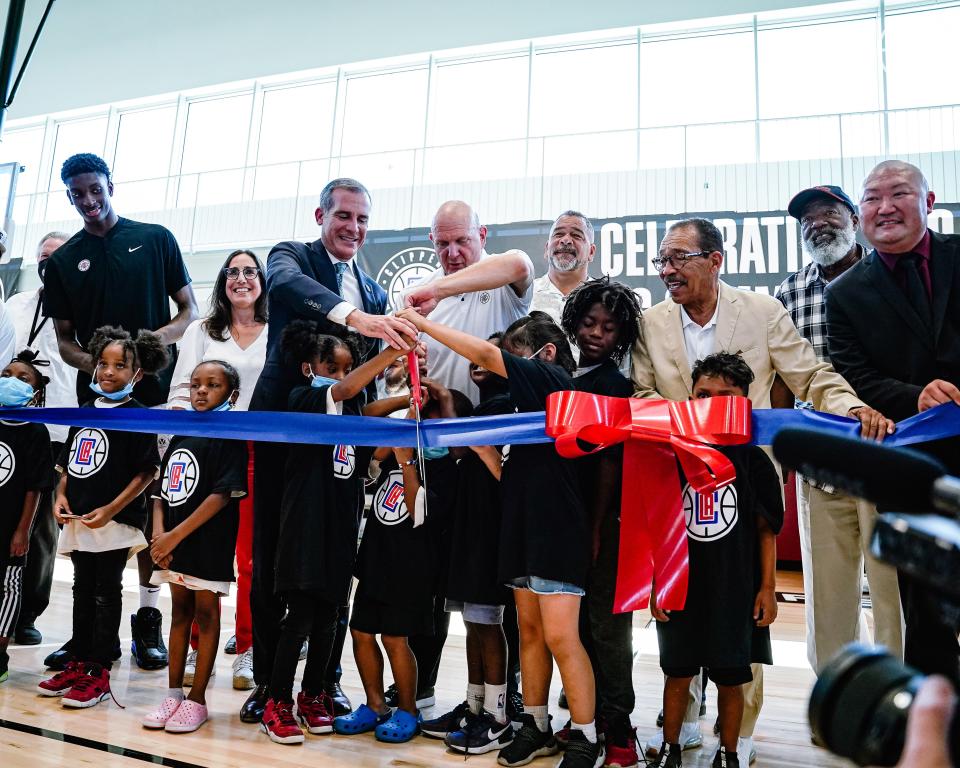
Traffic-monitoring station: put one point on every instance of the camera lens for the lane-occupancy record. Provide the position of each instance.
(860, 704)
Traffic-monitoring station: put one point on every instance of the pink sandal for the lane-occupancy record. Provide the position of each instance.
(158, 718)
(188, 717)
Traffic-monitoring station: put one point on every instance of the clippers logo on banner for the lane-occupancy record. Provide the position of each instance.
(180, 477)
(710, 516)
(389, 503)
(344, 461)
(404, 270)
(88, 453)
(8, 463)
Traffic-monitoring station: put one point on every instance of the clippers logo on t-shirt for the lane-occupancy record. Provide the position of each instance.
(344, 461)
(389, 503)
(88, 453)
(180, 477)
(8, 463)
(710, 516)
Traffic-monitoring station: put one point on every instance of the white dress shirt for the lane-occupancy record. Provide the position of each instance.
(351, 292)
(699, 341)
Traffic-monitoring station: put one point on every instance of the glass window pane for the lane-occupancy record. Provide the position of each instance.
(217, 132)
(862, 135)
(381, 171)
(136, 196)
(275, 181)
(661, 148)
(850, 84)
(799, 139)
(144, 143)
(475, 162)
(704, 79)
(385, 112)
(568, 86)
(23, 147)
(721, 144)
(595, 153)
(220, 187)
(296, 123)
(74, 137)
(479, 101)
(924, 130)
(921, 52)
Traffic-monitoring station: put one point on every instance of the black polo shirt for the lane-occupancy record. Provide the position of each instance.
(125, 278)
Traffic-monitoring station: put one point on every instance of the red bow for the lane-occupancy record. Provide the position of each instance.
(656, 433)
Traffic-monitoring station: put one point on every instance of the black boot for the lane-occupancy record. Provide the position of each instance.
(58, 660)
(252, 709)
(147, 639)
(26, 633)
(341, 703)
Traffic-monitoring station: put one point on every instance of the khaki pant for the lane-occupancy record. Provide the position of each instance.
(752, 702)
(835, 532)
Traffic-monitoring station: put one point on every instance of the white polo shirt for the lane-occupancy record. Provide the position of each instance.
(479, 313)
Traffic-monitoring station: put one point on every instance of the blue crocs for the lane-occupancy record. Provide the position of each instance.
(361, 720)
(401, 727)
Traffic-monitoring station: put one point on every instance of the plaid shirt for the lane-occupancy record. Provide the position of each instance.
(802, 295)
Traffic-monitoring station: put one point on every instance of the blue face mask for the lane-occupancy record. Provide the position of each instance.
(226, 405)
(119, 394)
(430, 452)
(15, 393)
(321, 381)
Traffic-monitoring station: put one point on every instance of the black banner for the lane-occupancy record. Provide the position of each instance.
(760, 249)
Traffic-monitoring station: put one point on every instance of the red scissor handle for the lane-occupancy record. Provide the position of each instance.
(413, 364)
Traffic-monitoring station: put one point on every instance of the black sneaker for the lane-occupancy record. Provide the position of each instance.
(514, 707)
(27, 634)
(529, 742)
(481, 734)
(391, 696)
(724, 759)
(562, 700)
(454, 720)
(146, 644)
(581, 753)
(669, 757)
(230, 647)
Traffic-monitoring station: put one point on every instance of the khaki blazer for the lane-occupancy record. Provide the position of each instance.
(759, 328)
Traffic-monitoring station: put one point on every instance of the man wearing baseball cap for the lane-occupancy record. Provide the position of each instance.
(835, 528)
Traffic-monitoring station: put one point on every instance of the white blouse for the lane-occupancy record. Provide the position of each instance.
(197, 346)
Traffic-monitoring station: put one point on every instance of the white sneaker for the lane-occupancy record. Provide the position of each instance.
(690, 738)
(190, 668)
(243, 671)
(746, 747)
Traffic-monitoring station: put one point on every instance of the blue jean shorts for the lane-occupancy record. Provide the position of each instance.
(475, 613)
(545, 586)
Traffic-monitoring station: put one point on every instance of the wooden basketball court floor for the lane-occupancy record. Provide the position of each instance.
(36, 732)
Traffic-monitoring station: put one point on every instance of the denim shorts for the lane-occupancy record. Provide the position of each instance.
(545, 586)
(475, 613)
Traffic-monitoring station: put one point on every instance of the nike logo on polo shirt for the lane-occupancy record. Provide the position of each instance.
(131, 250)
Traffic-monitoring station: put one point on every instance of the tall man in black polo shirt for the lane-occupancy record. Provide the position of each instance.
(118, 272)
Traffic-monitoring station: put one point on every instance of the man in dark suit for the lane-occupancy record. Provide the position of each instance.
(310, 281)
(893, 332)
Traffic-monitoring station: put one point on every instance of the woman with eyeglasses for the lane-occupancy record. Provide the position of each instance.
(234, 331)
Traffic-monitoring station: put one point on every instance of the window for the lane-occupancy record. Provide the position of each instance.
(703, 79)
(479, 101)
(805, 138)
(592, 153)
(924, 130)
(144, 144)
(380, 171)
(385, 112)
(23, 147)
(792, 84)
(921, 57)
(476, 162)
(217, 132)
(74, 137)
(584, 89)
(296, 123)
(727, 144)
(662, 148)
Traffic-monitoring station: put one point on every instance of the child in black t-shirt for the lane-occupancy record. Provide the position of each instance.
(404, 528)
(24, 475)
(99, 501)
(603, 319)
(195, 519)
(544, 538)
(731, 535)
(319, 515)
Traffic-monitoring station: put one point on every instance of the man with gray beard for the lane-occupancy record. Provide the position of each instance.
(568, 253)
(835, 528)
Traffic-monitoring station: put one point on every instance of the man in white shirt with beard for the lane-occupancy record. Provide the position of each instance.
(568, 253)
(835, 528)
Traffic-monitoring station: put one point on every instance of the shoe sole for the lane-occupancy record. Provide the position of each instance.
(4, 676)
(687, 745)
(493, 746)
(74, 704)
(182, 728)
(153, 725)
(542, 752)
(51, 694)
(316, 730)
(243, 683)
(281, 739)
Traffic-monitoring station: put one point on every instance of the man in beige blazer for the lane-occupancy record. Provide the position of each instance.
(702, 315)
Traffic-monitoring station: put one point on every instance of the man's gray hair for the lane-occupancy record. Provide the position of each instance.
(577, 215)
(55, 235)
(351, 185)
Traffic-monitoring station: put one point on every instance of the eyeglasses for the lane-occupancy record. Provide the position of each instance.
(676, 260)
(233, 273)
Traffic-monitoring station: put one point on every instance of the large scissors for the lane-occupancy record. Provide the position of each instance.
(416, 397)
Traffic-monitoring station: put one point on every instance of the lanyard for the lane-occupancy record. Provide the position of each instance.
(34, 328)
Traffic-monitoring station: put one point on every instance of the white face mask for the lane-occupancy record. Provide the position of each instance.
(534, 355)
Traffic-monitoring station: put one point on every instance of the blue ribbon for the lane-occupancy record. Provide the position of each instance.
(516, 428)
